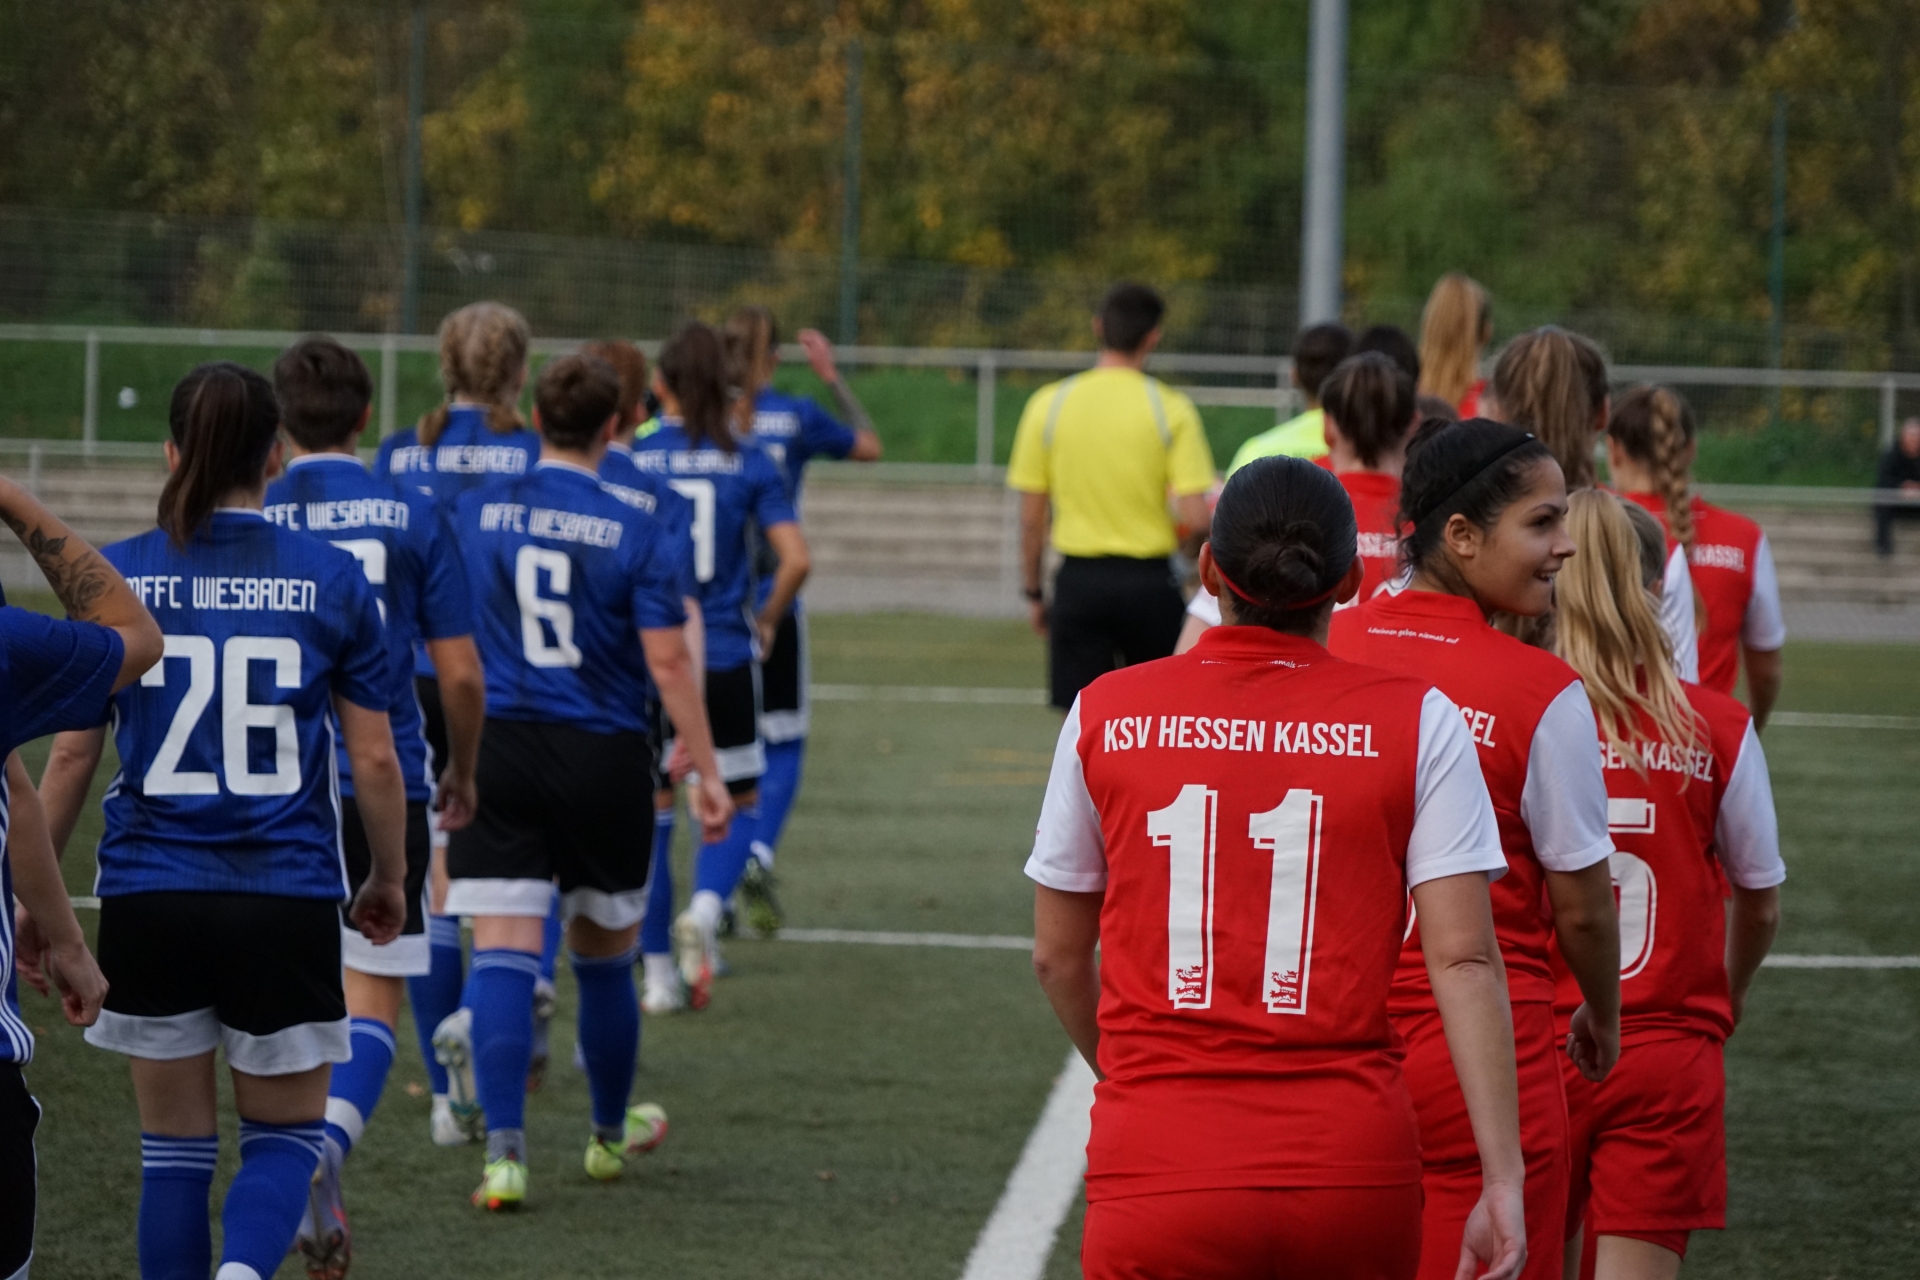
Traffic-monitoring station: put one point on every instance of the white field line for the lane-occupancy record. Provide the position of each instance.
(1018, 1239)
(1824, 720)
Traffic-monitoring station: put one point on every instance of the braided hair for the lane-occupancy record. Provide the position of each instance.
(1654, 426)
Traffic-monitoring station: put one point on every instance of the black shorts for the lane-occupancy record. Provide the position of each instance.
(407, 955)
(19, 1179)
(257, 975)
(733, 713)
(556, 803)
(1109, 613)
(783, 682)
(434, 715)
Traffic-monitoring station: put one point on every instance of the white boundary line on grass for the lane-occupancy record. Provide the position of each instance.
(1825, 720)
(1018, 1239)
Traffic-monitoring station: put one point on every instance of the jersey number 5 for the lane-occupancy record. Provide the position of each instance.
(238, 717)
(1290, 833)
(700, 494)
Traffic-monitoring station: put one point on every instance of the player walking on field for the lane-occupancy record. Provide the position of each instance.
(406, 550)
(1650, 446)
(1689, 798)
(221, 868)
(730, 484)
(578, 602)
(1487, 511)
(1237, 830)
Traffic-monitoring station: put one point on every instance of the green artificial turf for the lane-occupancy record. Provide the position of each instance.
(851, 1111)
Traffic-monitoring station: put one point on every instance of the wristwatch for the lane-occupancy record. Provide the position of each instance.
(1035, 594)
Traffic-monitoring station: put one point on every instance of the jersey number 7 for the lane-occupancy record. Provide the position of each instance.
(1290, 833)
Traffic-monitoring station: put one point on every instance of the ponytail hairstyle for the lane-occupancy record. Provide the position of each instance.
(752, 335)
(1655, 426)
(1370, 400)
(693, 364)
(483, 357)
(1283, 536)
(1608, 630)
(1554, 384)
(630, 363)
(1477, 469)
(223, 419)
(1455, 325)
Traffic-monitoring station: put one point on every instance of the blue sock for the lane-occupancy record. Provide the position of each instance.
(656, 929)
(436, 994)
(778, 786)
(357, 1083)
(609, 1035)
(500, 993)
(550, 939)
(720, 864)
(176, 1180)
(267, 1197)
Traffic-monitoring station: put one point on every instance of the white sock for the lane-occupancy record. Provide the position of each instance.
(236, 1271)
(661, 971)
(707, 908)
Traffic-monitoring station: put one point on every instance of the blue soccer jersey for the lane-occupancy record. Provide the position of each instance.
(565, 575)
(730, 491)
(794, 430)
(406, 549)
(53, 676)
(650, 491)
(226, 781)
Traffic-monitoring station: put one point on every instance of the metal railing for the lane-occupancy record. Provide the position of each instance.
(1273, 374)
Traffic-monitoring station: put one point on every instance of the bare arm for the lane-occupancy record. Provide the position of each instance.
(686, 705)
(463, 696)
(90, 589)
(1765, 668)
(1035, 518)
(1190, 511)
(1066, 929)
(1750, 928)
(380, 908)
(866, 442)
(1470, 987)
(790, 545)
(1586, 924)
(65, 781)
(53, 929)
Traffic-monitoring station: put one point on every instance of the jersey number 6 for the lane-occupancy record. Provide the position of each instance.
(536, 609)
(238, 717)
(1290, 832)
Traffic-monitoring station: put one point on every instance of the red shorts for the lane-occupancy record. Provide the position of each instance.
(1649, 1143)
(1330, 1233)
(1451, 1161)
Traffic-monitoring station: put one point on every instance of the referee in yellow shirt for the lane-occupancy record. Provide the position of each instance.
(1097, 456)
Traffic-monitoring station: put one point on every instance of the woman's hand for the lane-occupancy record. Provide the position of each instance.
(1496, 1235)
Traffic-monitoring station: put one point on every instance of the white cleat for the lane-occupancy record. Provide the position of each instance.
(663, 997)
(693, 950)
(447, 1131)
(453, 1049)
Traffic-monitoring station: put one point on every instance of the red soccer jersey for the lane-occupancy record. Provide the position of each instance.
(1255, 810)
(1376, 510)
(1531, 720)
(1732, 569)
(1669, 834)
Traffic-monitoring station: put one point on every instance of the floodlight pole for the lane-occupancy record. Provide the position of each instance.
(410, 246)
(1777, 253)
(850, 205)
(1320, 236)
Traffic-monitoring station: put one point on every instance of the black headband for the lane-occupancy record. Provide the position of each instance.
(1438, 517)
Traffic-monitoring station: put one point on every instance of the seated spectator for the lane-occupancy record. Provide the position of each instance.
(1315, 352)
(1899, 469)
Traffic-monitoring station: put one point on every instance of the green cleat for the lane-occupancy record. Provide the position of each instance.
(646, 1128)
(604, 1162)
(758, 900)
(503, 1186)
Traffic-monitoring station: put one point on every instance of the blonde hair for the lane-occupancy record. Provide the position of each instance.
(751, 334)
(483, 357)
(1655, 426)
(1608, 630)
(1554, 384)
(1454, 326)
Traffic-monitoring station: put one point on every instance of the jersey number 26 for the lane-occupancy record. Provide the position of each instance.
(238, 717)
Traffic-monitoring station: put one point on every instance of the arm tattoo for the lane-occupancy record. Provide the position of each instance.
(79, 582)
(849, 404)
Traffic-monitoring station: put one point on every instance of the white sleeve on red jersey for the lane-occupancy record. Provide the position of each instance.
(1747, 833)
(1764, 628)
(1676, 616)
(1069, 853)
(1204, 607)
(1454, 830)
(1564, 801)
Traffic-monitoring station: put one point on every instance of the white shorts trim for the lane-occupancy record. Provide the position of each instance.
(736, 763)
(286, 1052)
(608, 910)
(785, 726)
(408, 956)
(498, 897)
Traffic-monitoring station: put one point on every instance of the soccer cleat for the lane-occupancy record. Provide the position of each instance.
(445, 1127)
(324, 1239)
(544, 1000)
(662, 997)
(646, 1128)
(758, 900)
(453, 1049)
(503, 1186)
(693, 948)
(604, 1162)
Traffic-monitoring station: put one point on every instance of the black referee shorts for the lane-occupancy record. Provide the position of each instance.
(1109, 612)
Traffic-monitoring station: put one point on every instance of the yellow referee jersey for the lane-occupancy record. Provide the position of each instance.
(1108, 445)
